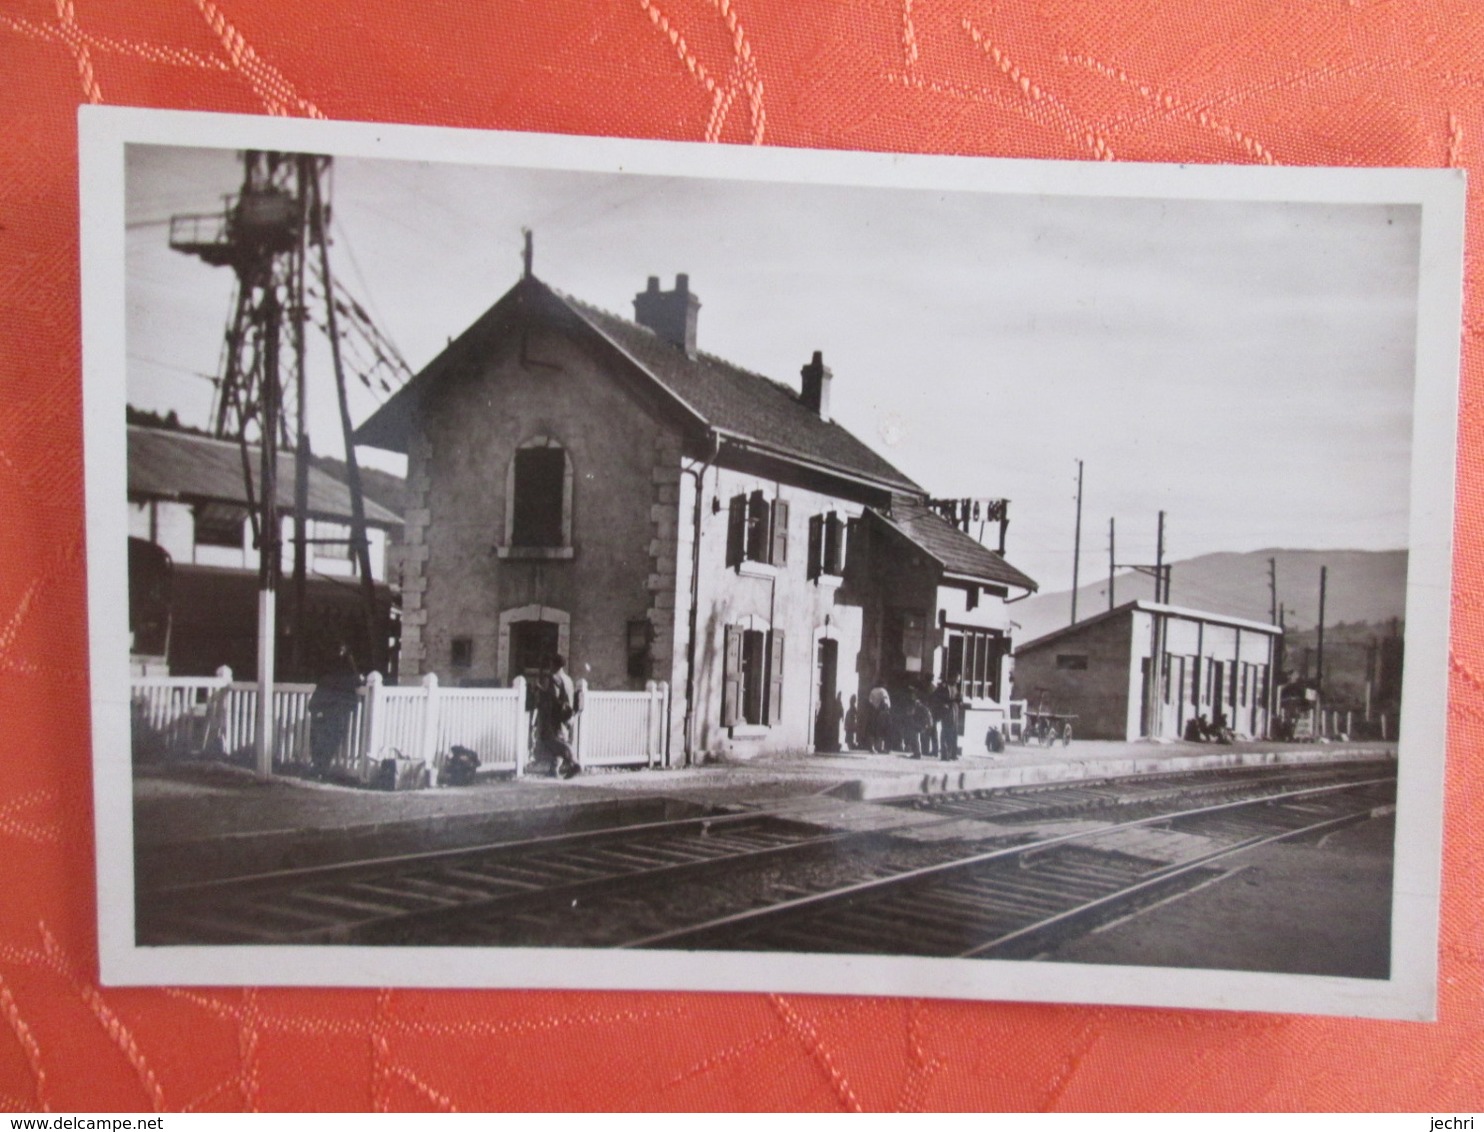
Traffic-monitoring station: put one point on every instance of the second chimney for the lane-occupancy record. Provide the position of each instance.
(816, 391)
(670, 314)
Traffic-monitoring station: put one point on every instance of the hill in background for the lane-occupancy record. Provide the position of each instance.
(1365, 586)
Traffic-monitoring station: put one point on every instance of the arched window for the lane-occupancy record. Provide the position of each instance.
(538, 500)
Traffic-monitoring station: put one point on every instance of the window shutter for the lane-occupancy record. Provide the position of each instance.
(736, 530)
(842, 544)
(816, 545)
(780, 533)
(775, 677)
(731, 687)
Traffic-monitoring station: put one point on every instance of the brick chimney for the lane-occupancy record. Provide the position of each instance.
(670, 314)
(816, 391)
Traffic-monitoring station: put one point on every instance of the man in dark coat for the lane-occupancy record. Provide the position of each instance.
(556, 704)
(945, 701)
(330, 708)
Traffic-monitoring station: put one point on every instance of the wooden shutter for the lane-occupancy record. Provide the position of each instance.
(816, 545)
(779, 548)
(737, 530)
(775, 678)
(731, 686)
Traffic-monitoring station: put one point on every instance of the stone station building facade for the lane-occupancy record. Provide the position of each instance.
(582, 483)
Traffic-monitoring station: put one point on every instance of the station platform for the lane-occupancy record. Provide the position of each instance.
(202, 821)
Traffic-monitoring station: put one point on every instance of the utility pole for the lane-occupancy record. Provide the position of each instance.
(1319, 652)
(359, 543)
(1372, 673)
(1161, 578)
(298, 313)
(1112, 560)
(1273, 590)
(268, 536)
(1077, 544)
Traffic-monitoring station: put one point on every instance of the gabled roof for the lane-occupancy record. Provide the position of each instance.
(737, 401)
(164, 464)
(709, 391)
(958, 555)
(1143, 606)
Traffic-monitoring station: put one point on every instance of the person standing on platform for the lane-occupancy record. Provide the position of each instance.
(945, 703)
(879, 730)
(331, 705)
(556, 704)
(922, 725)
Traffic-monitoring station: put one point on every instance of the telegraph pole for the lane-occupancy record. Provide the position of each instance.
(1077, 544)
(1273, 590)
(268, 536)
(1161, 578)
(1319, 652)
(1112, 560)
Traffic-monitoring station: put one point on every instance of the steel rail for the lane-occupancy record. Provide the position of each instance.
(386, 879)
(1162, 876)
(912, 876)
(378, 865)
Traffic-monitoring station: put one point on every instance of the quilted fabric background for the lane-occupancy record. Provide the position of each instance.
(1276, 81)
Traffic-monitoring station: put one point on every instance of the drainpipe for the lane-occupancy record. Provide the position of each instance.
(713, 449)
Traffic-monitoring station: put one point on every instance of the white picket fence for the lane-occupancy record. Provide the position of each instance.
(185, 717)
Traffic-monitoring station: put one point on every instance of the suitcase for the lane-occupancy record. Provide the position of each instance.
(397, 772)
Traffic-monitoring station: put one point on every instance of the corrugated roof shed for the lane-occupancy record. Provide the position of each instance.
(181, 465)
(956, 552)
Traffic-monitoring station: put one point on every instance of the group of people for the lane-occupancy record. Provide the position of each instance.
(1202, 730)
(924, 720)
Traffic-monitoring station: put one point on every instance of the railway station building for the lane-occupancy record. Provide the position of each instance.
(1100, 670)
(600, 487)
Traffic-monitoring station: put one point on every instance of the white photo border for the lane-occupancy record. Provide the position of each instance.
(1409, 993)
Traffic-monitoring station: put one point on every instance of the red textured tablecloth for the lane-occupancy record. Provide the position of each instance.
(1290, 82)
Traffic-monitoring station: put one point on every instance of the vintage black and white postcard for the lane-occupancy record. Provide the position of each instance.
(535, 561)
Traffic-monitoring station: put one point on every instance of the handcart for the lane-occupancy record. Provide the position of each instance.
(1046, 727)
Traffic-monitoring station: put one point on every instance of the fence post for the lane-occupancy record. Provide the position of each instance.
(666, 706)
(580, 710)
(218, 716)
(432, 704)
(650, 688)
(522, 727)
(375, 719)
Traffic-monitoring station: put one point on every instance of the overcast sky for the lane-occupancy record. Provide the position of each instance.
(1247, 367)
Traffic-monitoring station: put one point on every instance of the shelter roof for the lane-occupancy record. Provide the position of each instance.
(960, 556)
(166, 464)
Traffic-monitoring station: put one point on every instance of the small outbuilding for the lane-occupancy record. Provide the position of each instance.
(1211, 665)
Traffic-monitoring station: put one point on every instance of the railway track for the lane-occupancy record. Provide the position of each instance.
(988, 873)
